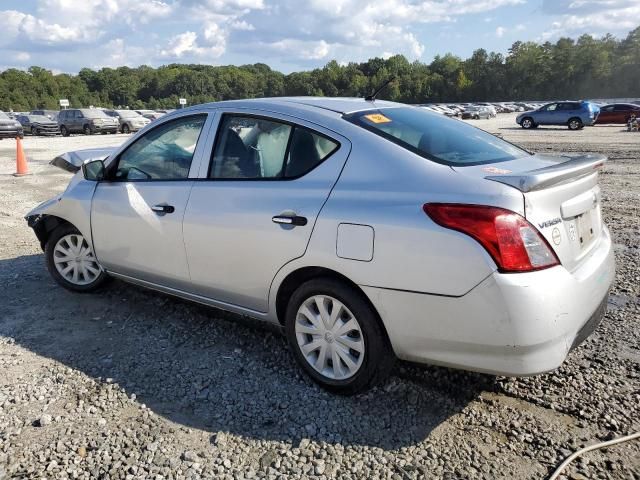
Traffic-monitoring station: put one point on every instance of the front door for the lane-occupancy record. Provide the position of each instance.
(136, 214)
(256, 207)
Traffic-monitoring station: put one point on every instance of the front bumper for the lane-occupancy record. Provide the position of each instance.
(11, 133)
(104, 128)
(509, 324)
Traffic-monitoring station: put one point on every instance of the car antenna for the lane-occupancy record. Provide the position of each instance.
(372, 97)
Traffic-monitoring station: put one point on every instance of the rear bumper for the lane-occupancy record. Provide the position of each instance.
(510, 324)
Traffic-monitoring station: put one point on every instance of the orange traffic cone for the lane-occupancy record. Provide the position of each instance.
(21, 160)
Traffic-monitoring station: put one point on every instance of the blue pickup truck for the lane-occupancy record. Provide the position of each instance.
(574, 115)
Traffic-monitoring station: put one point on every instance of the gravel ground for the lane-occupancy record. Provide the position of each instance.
(129, 383)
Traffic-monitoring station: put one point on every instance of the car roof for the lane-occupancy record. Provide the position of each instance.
(341, 105)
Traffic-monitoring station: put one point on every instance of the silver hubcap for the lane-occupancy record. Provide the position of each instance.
(74, 260)
(329, 337)
(526, 123)
(574, 125)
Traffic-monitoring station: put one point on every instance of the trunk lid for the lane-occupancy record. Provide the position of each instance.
(561, 198)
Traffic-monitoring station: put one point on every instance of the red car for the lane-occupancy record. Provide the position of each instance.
(617, 113)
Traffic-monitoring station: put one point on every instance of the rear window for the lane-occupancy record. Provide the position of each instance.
(436, 137)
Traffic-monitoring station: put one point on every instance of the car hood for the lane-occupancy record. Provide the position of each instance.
(9, 123)
(50, 123)
(73, 161)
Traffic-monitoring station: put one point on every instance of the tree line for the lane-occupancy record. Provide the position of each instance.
(584, 68)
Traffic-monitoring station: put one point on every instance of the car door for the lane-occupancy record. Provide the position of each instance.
(607, 114)
(621, 113)
(547, 114)
(255, 207)
(136, 214)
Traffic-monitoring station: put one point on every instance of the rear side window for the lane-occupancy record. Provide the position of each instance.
(436, 137)
(257, 148)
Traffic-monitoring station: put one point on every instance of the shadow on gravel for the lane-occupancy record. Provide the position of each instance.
(215, 371)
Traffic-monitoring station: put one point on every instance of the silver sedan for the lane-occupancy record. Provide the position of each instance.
(369, 230)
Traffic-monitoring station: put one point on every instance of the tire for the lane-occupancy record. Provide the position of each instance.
(35, 132)
(126, 129)
(88, 274)
(63, 131)
(87, 130)
(575, 124)
(366, 361)
(527, 123)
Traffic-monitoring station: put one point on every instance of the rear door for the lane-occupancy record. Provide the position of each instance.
(254, 208)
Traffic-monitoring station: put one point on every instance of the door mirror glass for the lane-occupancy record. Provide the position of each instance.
(93, 171)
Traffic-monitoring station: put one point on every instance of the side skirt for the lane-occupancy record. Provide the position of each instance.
(193, 297)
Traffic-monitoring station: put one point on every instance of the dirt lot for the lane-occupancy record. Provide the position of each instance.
(129, 383)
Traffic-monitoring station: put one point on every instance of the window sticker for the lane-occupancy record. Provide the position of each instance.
(377, 118)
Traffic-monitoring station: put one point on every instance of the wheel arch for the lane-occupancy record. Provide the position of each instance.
(43, 225)
(303, 274)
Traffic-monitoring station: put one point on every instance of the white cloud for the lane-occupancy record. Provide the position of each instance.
(500, 32)
(596, 17)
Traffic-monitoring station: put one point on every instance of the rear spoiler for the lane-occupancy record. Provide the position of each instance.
(552, 175)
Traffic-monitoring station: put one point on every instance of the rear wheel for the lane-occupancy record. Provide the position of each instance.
(336, 336)
(71, 262)
(527, 123)
(575, 124)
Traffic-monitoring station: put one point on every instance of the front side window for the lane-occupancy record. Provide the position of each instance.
(551, 108)
(164, 153)
(436, 137)
(255, 148)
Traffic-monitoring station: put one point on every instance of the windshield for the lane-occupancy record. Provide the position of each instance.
(436, 137)
(3, 116)
(94, 113)
(38, 118)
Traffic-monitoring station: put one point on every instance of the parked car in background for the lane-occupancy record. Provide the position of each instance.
(87, 121)
(51, 114)
(617, 113)
(10, 128)
(491, 108)
(575, 115)
(475, 112)
(130, 120)
(38, 124)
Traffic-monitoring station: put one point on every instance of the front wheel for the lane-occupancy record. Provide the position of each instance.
(87, 130)
(527, 123)
(126, 129)
(64, 131)
(336, 336)
(575, 124)
(71, 262)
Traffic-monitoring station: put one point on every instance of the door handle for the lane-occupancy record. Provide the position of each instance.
(294, 220)
(163, 208)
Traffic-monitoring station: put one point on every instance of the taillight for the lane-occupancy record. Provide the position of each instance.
(513, 243)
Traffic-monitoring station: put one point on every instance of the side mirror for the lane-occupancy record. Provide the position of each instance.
(93, 171)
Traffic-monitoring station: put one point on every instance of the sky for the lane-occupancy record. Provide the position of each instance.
(288, 35)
